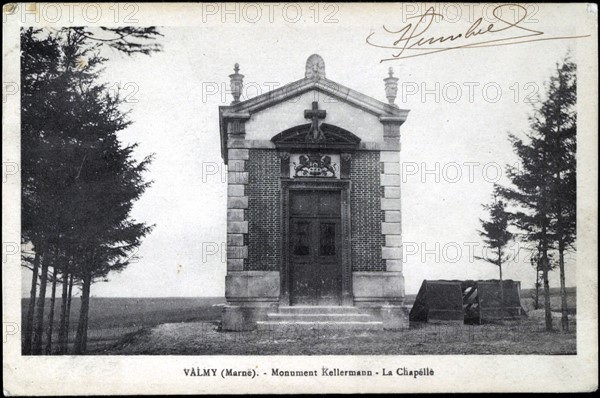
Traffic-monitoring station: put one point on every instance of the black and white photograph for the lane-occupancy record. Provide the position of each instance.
(299, 198)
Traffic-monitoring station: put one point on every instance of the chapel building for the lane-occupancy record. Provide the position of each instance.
(313, 206)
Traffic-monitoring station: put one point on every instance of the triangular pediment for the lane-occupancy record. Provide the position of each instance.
(328, 87)
(283, 111)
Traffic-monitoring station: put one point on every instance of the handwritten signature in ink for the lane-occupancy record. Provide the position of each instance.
(413, 41)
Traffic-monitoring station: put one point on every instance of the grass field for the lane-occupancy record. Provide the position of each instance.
(526, 337)
(191, 326)
(110, 319)
(528, 303)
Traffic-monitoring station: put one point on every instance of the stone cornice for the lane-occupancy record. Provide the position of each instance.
(394, 119)
(388, 145)
(228, 114)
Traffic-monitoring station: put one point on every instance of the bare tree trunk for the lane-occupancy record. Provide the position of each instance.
(62, 346)
(501, 285)
(50, 326)
(41, 302)
(85, 335)
(80, 338)
(501, 294)
(538, 284)
(31, 306)
(68, 325)
(563, 289)
(547, 309)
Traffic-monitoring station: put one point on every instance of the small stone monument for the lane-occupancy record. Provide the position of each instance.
(313, 206)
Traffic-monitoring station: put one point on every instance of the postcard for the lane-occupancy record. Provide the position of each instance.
(208, 198)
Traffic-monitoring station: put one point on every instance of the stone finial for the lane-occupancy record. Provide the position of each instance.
(391, 87)
(315, 67)
(236, 83)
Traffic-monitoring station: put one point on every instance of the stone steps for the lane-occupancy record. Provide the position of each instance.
(319, 318)
(326, 317)
(307, 309)
(281, 326)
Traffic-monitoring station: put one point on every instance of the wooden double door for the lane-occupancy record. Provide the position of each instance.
(315, 247)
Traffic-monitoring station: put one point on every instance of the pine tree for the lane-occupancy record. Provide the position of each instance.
(39, 71)
(561, 122)
(79, 182)
(496, 237)
(531, 193)
(544, 187)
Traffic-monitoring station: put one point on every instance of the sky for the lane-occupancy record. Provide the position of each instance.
(463, 103)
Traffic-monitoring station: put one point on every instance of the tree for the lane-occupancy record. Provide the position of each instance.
(561, 122)
(39, 69)
(50, 325)
(128, 40)
(105, 233)
(496, 237)
(530, 192)
(543, 187)
(69, 132)
(536, 263)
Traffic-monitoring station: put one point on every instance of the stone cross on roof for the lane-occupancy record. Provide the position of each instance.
(315, 133)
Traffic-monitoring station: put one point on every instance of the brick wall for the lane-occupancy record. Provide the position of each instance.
(263, 239)
(365, 201)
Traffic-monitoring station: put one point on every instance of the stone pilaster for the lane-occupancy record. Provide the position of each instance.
(391, 227)
(394, 315)
(237, 205)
